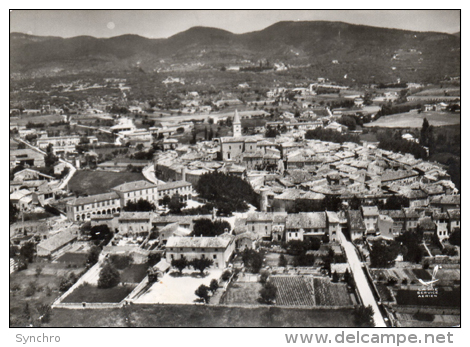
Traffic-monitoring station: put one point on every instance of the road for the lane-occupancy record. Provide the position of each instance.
(361, 281)
(72, 169)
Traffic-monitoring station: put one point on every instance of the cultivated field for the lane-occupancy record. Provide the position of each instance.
(242, 293)
(331, 294)
(201, 316)
(415, 120)
(294, 290)
(44, 290)
(88, 293)
(97, 182)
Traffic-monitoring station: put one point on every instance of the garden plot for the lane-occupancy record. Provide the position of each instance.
(331, 294)
(293, 290)
(242, 293)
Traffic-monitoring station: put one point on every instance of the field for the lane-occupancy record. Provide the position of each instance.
(97, 182)
(331, 294)
(294, 290)
(73, 258)
(134, 273)
(242, 293)
(415, 120)
(201, 316)
(52, 118)
(272, 259)
(45, 290)
(88, 293)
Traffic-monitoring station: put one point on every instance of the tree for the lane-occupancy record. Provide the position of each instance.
(101, 232)
(282, 261)
(205, 227)
(28, 250)
(214, 285)
(175, 205)
(93, 255)
(140, 206)
(383, 255)
(335, 277)
(180, 264)
(364, 316)
(396, 202)
(271, 132)
(109, 276)
(166, 200)
(121, 261)
(268, 293)
(13, 212)
(454, 238)
(252, 260)
(203, 293)
(201, 264)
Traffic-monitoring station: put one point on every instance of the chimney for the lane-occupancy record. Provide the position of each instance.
(183, 174)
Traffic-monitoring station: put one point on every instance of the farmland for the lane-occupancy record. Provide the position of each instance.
(29, 290)
(88, 293)
(201, 316)
(97, 182)
(294, 290)
(415, 120)
(331, 294)
(242, 293)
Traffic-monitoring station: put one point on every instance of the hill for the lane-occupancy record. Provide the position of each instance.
(363, 52)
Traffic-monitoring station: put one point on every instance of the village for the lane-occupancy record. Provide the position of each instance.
(119, 214)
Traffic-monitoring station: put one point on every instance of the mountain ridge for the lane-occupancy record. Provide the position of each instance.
(290, 42)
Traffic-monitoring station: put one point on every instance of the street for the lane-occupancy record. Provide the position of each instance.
(361, 281)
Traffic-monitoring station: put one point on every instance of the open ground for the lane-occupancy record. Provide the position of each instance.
(97, 182)
(415, 120)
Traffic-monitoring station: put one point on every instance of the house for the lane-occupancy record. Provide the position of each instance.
(411, 220)
(30, 174)
(53, 244)
(60, 144)
(304, 225)
(370, 214)
(334, 227)
(441, 219)
(26, 157)
(173, 229)
(356, 225)
(135, 223)
(446, 202)
(454, 220)
(182, 188)
(398, 221)
(246, 240)
(21, 198)
(81, 209)
(219, 248)
(428, 227)
(134, 191)
(139, 255)
(262, 223)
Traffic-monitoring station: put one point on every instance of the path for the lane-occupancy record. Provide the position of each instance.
(361, 281)
(149, 174)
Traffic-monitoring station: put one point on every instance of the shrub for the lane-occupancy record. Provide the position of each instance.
(268, 293)
(214, 285)
(203, 293)
(109, 276)
(120, 261)
(226, 275)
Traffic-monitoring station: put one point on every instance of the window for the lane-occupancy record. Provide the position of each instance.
(229, 147)
(182, 256)
(171, 255)
(181, 249)
(203, 256)
(214, 256)
(295, 234)
(216, 249)
(194, 249)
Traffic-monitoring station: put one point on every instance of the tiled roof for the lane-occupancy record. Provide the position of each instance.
(94, 198)
(454, 214)
(173, 185)
(198, 242)
(58, 240)
(136, 216)
(132, 186)
(370, 211)
(306, 220)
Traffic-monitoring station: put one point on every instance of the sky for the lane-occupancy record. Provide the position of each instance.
(165, 23)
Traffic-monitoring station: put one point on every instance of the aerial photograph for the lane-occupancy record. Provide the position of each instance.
(234, 168)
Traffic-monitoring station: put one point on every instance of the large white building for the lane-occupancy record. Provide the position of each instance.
(219, 249)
